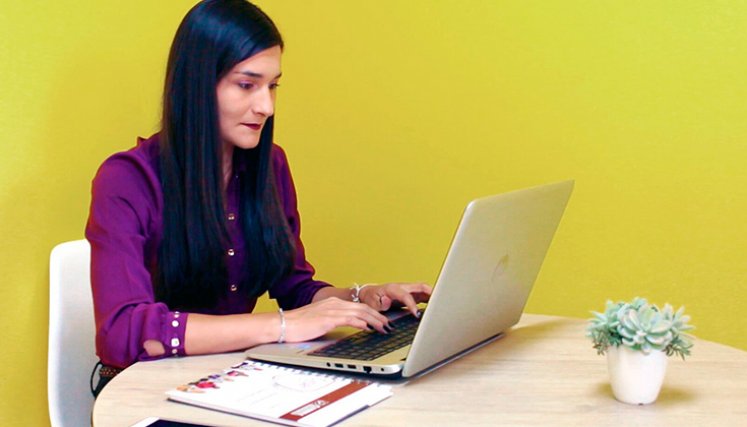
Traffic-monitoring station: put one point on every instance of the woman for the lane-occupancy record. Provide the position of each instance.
(189, 227)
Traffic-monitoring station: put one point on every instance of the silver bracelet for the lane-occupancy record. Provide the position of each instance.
(281, 338)
(355, 295)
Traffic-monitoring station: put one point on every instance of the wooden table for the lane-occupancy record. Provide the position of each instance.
(543, 372)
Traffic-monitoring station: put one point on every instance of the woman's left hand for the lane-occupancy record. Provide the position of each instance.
(381, 297)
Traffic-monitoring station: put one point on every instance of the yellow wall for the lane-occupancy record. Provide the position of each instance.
(394, 115)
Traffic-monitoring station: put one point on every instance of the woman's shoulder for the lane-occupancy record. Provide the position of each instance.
(135, 167)
(279, 162)
(142, 157)
(145, 153)
(278, 155)
(283, 177)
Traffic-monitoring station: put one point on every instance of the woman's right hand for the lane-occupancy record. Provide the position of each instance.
(316, 319)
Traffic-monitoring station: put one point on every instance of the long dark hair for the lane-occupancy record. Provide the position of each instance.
(191, 270)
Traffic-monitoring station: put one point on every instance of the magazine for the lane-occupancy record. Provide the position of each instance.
(281, 395)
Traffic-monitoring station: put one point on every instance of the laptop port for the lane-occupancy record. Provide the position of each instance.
(338, 365)
(351, 366)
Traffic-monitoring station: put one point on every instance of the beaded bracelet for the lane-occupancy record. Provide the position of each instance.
(281, 338)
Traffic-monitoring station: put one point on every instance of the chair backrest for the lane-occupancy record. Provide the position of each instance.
(71, 355)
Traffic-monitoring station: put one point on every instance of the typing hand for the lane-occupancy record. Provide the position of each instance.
(316, 319)
(382, 297)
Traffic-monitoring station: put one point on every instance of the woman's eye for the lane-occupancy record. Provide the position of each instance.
(245, 85)
(274, 86)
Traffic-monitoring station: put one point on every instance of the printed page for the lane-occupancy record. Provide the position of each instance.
(279, 394)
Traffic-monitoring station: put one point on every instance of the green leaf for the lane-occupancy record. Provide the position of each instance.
(640, 326)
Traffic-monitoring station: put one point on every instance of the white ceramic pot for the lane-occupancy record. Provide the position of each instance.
(636, 378)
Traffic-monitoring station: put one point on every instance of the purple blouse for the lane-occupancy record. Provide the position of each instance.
(124, 228)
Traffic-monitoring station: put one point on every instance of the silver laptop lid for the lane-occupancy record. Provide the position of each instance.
(483, 286)
(489, 271)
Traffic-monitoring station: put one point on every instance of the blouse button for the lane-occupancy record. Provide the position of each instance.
(231, 252)
(234, 288)
(174, 351)
(175, 342)
(231, 217)
(175, 323)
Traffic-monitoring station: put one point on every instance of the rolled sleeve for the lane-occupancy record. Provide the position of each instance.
(299, 287)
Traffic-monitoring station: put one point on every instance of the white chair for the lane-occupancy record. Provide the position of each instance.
(71, 354)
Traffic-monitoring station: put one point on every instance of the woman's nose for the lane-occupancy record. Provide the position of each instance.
(264, 103)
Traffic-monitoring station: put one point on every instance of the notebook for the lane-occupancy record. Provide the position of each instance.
(281, 395)
(484, 283)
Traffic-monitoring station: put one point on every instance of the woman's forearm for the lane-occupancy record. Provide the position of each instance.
(331, 291)
(217, 334)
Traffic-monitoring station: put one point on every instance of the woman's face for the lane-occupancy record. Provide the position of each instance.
(246, 98)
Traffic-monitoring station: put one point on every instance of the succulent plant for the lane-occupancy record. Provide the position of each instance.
(642, 327)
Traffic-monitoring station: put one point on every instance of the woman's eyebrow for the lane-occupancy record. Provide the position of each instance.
(256, 75)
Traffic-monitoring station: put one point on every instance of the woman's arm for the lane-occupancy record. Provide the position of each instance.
(215, 334)
(331, 308)
(124, 210)
(221, 333)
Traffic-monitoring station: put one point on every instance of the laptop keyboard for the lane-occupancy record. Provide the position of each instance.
(370, 345)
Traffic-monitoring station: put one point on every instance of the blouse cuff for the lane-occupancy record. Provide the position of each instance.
(175, 329)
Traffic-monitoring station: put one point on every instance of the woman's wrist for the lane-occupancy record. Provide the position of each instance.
(355, 292)
(371, 295)
(344, 294)
(281, 335)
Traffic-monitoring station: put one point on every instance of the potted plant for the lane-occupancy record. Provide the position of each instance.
(638, 337)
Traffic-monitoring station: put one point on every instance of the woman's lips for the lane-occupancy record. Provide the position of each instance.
(253, 126)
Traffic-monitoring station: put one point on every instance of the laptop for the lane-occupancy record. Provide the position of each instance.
(484, 283)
